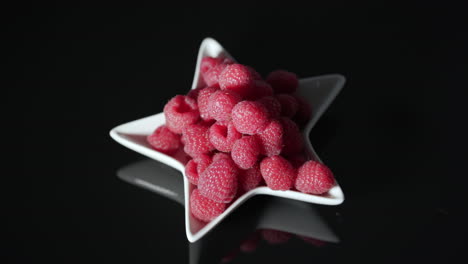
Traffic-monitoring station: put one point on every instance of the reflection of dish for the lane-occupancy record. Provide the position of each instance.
(261, 212)
(319, 91)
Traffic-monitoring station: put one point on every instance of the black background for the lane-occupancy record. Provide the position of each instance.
(395, 137)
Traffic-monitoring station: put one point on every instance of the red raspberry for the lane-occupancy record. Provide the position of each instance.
(203, 100)
(163, 140)
(197, 166)
(211, 76)
(250, 178)
(260, 89)
(271, 139)
(289, 105)
(237, 78)
(283, 81)
(207, 63)
(194, 93)
(251, 243)
(223, 135)
(196, 140)
(304, 111)
(275, 237)
(292, 137)
(221, 155)
(245, 151)
(221, 103)
(297, 160)
(219, 181)
(315, 178)
(272, 105)
(250, 117)
(180, 112)
(203, 208)
(278, 173)
(254, 73)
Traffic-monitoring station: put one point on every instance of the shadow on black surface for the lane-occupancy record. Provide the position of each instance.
(275, 220)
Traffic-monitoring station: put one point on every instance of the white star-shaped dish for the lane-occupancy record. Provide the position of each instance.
(318, 91)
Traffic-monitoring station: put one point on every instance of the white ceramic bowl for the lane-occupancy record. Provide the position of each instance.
(318, 91)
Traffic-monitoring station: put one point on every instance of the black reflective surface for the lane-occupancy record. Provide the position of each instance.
(395, 137)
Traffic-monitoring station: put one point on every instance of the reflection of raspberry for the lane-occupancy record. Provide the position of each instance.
(245, 151)
(278, 173)
(203, 100)
(292, 138)
(180, 112)
(313, 241)
(315, 178)
(221, 103)
(283, 81)
(251, 243)
(196, 140)
(203, 208)
(223, 135)
(272, 105)
(275, 236)
(164, 140)
(271, 139)
(219, 181)
(249, 179)
(250, 117)
(237, 78)
(288, 103)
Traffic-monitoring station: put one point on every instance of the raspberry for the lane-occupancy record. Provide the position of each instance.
(203, 208)
(203, 100)
(221, 103)
(272, 105)
(251, 243)
(207, 63)
(245, 151)
(292, 137)
(289, 105)
(275, 236)
(194, 93)
(254, 73)
(237, 78)
(197, 166)
(223, 135)
(196, 140)
(260, 89)
(297, 160)
(278, 173)
(221, 155)
(283, 81)
(271, 139)
(219, 181)
(315, 178)
(211, 76)
(304, 111)
(180, 112)
(163, 140)
(250, 117)
(250, 178)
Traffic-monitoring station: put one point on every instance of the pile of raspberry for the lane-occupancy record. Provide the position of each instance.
(240, 131)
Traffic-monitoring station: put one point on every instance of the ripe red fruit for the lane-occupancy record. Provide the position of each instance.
(245, 151)
(220, 104)
(292, 137)
(203, 101)
(203, 208)
(164, 140)
(278, 173)
(250, 178)
(272, 105)
(180, 112)
(196, 140)
(237, 78)
(289, 105)
(223, 135)
(271, 139)
(250, 117)
(283, 81)
(219, 181)
(314, 178)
